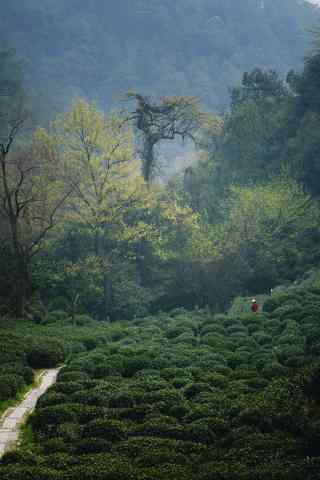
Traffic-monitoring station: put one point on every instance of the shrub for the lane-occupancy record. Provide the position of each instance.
(134, 364)
(83, 320)
(149, 384)
(136, 413)
(310, 382)
(92, 445)
(27, 374)
(157, 427)
(187, 338)
(54, 445)
(273, 369)
(194, 389)
(111, 430)
(69, 431)
(91, 342)
(102, 467)
(167, 471)
(46, 353)
(10, 386)
(216, 380)
(24, 457)
(121, 399)
(66, 375)
(17, 369)
(275, 301)
(214, 340)
(52, 398)
(179, 411)
(290, 310)
(262, 338)
(147, 372)
(199, 432)
(134, 446)
(48, 418)
(60, 461)
(177, 330)
(166, 397)
(75, 348)
(92, 397)
(221, 470)
(23, 472)
(218, 426)
(55, 316)
(236, 359)
(159, 457)
(67, 387)
(214, 328)
(180, 382)
(290, 355)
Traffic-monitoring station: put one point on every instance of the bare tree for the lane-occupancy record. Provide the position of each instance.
(167, 119)
(30, 198)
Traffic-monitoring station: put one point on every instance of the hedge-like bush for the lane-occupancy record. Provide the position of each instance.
(55, 316)
(48, 418)
(92, 445)
(110, 430)
(10, 386)
(236, 402)
(46, 353)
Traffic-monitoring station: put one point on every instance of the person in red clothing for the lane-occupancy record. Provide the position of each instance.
(254, 306)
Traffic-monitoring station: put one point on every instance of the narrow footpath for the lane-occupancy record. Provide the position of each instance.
(12, 420)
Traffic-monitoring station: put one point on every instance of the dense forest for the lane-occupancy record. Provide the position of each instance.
(138, 283)
(186, 47)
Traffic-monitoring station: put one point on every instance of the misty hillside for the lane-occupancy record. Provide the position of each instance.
(200, 47)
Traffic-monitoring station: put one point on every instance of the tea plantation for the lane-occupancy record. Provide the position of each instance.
(190, 395)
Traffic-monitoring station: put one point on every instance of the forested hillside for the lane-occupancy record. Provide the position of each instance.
(85, 226)
(141, 289)
(186, 47)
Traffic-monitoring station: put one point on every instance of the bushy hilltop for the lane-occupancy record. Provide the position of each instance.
(184, 396)
(101, 49)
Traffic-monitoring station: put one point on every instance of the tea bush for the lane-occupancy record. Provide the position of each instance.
(181, 396)
(45, 353)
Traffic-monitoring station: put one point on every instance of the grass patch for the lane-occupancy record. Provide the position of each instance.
(4, 405)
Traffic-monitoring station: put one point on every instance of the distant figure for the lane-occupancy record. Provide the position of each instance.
(254, 306)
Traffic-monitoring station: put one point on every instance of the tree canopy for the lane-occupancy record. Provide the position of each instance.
(193, 48)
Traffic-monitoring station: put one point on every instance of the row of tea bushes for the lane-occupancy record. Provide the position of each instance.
(184, 396)
(26, 346)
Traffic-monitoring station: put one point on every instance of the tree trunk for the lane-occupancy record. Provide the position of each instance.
(23, 287)
(148, 159)
(107, 295)
(107, 281)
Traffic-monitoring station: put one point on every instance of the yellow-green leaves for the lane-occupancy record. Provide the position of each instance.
(97, 156)
(267, 219)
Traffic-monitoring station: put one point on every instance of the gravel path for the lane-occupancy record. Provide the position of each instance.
(14, 417)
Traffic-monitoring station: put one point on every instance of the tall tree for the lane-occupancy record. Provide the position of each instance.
(31, 196)
(101, 171)
(31, 193)
(156, 121)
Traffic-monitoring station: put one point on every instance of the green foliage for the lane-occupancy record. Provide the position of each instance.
(10, 386)
(212, 39)
(55, 316)
(45, 354)
(110, 430)
(156, 407)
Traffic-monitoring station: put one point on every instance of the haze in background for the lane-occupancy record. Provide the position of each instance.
(99, 50)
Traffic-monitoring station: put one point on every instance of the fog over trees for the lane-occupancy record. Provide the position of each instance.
(186, 47)
(179, 300)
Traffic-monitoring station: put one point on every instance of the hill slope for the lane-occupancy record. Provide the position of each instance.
(101, 49)
(182, 396)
